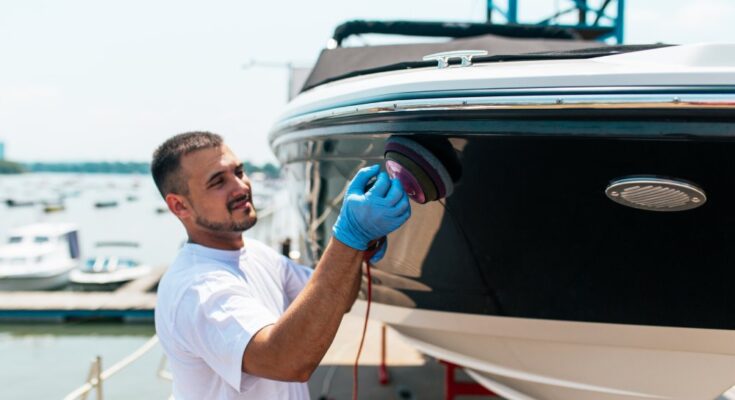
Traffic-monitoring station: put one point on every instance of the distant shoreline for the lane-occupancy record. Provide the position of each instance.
(100, 167)
(109, 167)
(9, 167)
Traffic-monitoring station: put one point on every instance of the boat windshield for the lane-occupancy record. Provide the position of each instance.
(108, 264)
(127, 263)
(41, 239)
(15, 239)
(99, 264)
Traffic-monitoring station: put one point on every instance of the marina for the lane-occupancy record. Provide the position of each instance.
(567, 165)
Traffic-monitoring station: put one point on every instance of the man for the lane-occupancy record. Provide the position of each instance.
(235, 318)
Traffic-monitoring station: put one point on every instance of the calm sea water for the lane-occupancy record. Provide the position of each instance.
(47, 361)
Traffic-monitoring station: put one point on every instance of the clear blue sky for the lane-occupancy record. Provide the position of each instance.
(101, 80)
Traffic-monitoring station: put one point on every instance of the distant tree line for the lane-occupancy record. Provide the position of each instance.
(270, 170)
(90, 167)
(9, 167)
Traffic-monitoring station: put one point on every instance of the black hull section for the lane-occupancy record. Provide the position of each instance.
(529, 231)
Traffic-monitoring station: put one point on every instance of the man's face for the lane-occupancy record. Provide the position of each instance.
(220, 195)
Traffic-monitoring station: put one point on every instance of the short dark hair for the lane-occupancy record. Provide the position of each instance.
(167, 159)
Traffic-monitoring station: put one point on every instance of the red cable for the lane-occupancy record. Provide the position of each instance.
(364, 332)
(368, 255)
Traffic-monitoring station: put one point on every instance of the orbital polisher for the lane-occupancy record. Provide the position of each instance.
(426, 175)
(427, 172)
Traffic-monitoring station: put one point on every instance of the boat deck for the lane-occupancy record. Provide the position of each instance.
(132, 302)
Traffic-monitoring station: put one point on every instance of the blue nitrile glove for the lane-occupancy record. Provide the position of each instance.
(371, 214)
(380, 253)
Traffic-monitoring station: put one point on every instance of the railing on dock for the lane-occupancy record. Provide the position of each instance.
(96, 376)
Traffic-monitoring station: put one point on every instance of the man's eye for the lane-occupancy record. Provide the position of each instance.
(239, 173)
(216, 183)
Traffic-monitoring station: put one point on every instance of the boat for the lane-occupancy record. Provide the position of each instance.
(52, 207)
(39, 256)
(581, 247)
(19, 203)
(112, 266)
(105, 204)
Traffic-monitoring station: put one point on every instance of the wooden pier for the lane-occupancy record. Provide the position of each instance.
(132, 302)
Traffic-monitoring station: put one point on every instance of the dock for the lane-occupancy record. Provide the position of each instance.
(410, 374)
(389, 368)
(132, 302)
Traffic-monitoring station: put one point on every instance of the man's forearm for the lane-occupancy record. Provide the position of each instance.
(355, 291)
(293, 347)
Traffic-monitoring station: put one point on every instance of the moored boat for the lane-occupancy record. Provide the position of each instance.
(105, 204)
(52, 207)
(111, 266)
(39, 257)
(583, 249)
(19, 203)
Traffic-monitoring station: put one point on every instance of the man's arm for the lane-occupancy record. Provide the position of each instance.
(291, 349)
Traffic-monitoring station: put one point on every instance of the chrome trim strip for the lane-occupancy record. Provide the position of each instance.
(545, 102)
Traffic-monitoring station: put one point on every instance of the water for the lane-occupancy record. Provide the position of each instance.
(44, 361)
(49, 361)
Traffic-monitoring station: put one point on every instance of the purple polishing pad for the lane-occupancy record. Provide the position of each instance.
(425, 160)
(417, 172)
(409, 182)
(422, 162)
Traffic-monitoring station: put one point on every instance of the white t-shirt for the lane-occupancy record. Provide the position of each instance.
(210, 304)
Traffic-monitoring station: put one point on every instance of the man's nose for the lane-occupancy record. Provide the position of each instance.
(242, 184)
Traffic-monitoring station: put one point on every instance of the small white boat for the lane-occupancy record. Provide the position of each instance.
(39, 257)
(109, 269)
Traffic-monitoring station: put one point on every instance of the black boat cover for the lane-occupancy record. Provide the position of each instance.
(346, 62)
(453, 30)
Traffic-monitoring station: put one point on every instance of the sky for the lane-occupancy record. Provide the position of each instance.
(90, 80)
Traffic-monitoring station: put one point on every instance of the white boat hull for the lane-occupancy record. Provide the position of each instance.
(557, 360)
(107, 279)
(29, 282)
(598, 300)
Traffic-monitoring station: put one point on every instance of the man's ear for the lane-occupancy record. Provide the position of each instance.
(178, 205)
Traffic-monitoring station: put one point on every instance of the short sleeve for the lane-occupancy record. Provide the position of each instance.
(295, 278)
(216, 318)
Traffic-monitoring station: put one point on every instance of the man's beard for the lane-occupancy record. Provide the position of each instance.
(230, 226)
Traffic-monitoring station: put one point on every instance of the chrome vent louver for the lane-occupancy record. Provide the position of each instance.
(655, 194)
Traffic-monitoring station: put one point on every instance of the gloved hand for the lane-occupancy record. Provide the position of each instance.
(371, 214)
